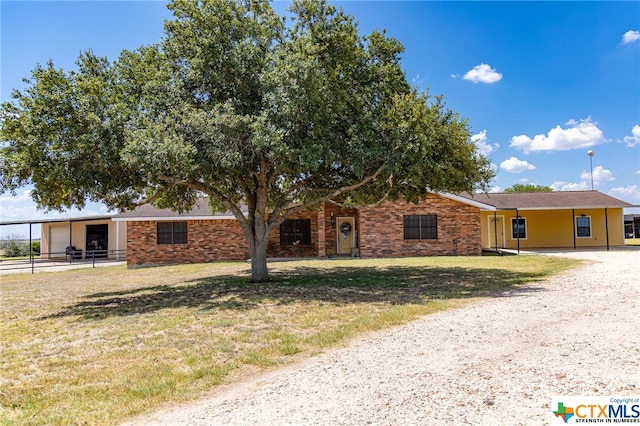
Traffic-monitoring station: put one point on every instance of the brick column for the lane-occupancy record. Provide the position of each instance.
(322, 243)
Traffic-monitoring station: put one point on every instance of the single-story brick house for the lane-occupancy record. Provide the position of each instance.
(441, 224)
(438, 225)
(566, 219)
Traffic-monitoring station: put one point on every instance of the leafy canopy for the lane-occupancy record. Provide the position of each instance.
(260, 112)
(530, 187)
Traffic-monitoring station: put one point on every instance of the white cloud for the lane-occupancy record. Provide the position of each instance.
(630, 36)
(515, 165)
(600, 175)
(566, 186)
(480, 141)
(579, 134)
(18, 198)
(634, 139)
(483, 73)
(417, 80)
(495, 189)
(628, 193)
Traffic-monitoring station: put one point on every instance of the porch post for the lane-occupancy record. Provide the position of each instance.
(606, 226)
(71, 251)
(495, 228)
(117, 240)
(518, 235)
(31, 248)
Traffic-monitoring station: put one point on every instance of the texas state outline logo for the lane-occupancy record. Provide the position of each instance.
(565, 413)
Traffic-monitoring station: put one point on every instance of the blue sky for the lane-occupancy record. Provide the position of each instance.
(541, 83)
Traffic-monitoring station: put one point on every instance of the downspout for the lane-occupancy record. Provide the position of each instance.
(606, 226)
(573, 225)
(30, 248)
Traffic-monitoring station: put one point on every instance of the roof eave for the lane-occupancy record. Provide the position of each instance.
(171, 218)
(469, 201)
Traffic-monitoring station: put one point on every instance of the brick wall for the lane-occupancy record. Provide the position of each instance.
(379, 234)
(207, 241)
(382, 230)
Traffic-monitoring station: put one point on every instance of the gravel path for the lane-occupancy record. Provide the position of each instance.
(496, 362)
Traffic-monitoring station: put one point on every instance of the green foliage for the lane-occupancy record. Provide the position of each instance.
(15, 246)
(35, 247)
(238, 104)
(518, 187)
(13, 249)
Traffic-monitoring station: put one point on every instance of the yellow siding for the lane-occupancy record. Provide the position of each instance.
(555, 228)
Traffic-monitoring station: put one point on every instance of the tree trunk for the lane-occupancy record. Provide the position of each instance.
(259, 271)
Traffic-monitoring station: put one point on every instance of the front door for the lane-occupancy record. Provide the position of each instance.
(346, 235)
(496, 231)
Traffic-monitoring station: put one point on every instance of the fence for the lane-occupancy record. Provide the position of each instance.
(70, 256)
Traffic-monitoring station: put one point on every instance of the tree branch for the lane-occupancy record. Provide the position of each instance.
(296, 208)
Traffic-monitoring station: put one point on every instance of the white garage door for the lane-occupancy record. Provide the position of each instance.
(58, 240)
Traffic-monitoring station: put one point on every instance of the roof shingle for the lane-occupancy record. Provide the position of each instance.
(548, 200)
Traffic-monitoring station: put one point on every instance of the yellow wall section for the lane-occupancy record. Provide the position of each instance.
(555, 228)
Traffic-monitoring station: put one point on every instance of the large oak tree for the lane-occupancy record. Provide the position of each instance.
(263, 113)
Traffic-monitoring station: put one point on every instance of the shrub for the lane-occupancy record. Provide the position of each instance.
(13, 249)
(35, 247)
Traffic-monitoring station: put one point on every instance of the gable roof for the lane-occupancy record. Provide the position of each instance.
(548, 200)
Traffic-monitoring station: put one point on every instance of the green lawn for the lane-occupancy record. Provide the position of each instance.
(95, 346)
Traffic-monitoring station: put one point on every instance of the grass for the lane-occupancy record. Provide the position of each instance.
(95, 346)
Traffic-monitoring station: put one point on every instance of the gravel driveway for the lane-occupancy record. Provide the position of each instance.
(495, 362)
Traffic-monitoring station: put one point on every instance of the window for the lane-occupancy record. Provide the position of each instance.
(518, 228)
(421, 227)
(295, 231)
(583, 227)
(172, 232)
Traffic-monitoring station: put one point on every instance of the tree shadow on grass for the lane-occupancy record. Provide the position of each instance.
(392, 285)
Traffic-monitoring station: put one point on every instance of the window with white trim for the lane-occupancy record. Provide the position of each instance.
(518, 228)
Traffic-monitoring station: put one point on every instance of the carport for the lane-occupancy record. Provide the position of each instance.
(58, 243)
